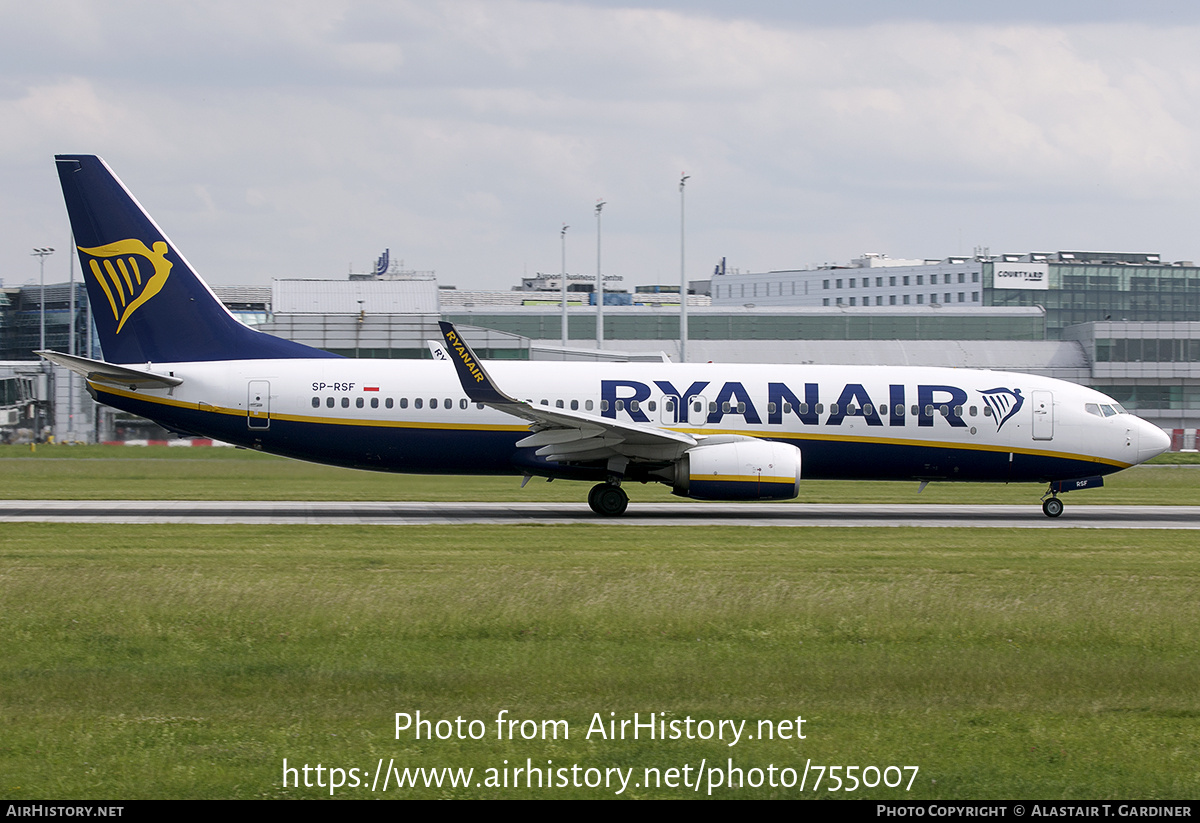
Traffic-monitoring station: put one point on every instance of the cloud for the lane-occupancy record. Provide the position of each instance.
(287, 139)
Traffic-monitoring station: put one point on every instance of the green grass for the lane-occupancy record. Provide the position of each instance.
(189, 661)
(164, 473)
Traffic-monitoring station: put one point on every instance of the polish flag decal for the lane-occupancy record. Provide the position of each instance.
(370, 388)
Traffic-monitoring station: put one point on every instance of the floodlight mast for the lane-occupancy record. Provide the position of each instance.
(683, 290)
(41, 255)
(599, 282)
(563, 284)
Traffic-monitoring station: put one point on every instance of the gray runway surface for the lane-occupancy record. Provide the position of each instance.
(658, 514)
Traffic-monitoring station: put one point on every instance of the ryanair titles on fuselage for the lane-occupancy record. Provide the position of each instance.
(629, 398)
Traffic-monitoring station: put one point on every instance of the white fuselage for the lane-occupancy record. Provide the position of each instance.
(849, 421)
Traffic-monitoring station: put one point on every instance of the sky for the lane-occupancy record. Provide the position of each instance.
(301, 138)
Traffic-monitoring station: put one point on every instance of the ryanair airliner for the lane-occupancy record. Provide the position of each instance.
(175, 355)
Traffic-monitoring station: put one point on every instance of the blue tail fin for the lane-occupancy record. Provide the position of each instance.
(148, 303)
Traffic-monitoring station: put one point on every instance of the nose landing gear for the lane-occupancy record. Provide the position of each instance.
(1052, 506)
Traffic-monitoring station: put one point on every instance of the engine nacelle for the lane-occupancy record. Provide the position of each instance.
(741, 470)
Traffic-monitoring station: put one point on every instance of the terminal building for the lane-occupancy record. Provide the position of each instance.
(1072, 287)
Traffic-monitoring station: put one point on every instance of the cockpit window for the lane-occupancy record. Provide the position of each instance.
(1109, 411)
(1120, 409)
(1093, 408)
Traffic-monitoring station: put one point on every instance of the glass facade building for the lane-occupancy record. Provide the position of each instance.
(1082, 291)
(1072, 287)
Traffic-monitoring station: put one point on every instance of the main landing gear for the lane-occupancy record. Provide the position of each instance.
(608, 499)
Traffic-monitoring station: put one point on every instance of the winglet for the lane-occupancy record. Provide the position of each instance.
(476, 382)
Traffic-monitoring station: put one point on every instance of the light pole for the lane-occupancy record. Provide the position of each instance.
(41, 255)
(563, 284)
(683, 320)
(71, 343)
(599, 282)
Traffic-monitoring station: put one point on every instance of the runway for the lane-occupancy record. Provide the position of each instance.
(222, 512)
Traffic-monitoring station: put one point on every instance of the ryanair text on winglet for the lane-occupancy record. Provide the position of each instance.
(461, 349)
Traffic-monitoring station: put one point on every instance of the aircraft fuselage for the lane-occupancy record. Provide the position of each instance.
(850, 422)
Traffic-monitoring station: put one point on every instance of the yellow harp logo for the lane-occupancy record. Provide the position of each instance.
(122, 280)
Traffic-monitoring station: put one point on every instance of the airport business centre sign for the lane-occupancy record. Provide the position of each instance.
(1035, 276)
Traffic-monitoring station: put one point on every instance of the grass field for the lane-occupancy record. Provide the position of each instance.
(163, 473)
(189, 661)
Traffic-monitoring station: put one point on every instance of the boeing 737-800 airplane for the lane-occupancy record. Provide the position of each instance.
(175, 355)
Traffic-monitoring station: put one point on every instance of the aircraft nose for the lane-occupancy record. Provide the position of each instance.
(1152, 441)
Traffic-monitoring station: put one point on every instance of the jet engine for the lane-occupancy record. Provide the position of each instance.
(745, 469)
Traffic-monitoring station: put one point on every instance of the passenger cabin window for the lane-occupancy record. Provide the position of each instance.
(345, 402)
(329, 402)
(388, 403)
(374, 402)
(316, 402)
(359, 402)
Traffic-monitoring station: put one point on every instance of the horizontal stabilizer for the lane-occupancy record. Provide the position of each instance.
(109, 373)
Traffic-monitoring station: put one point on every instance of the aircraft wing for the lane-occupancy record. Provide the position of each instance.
(560, 435)
(111, 373)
